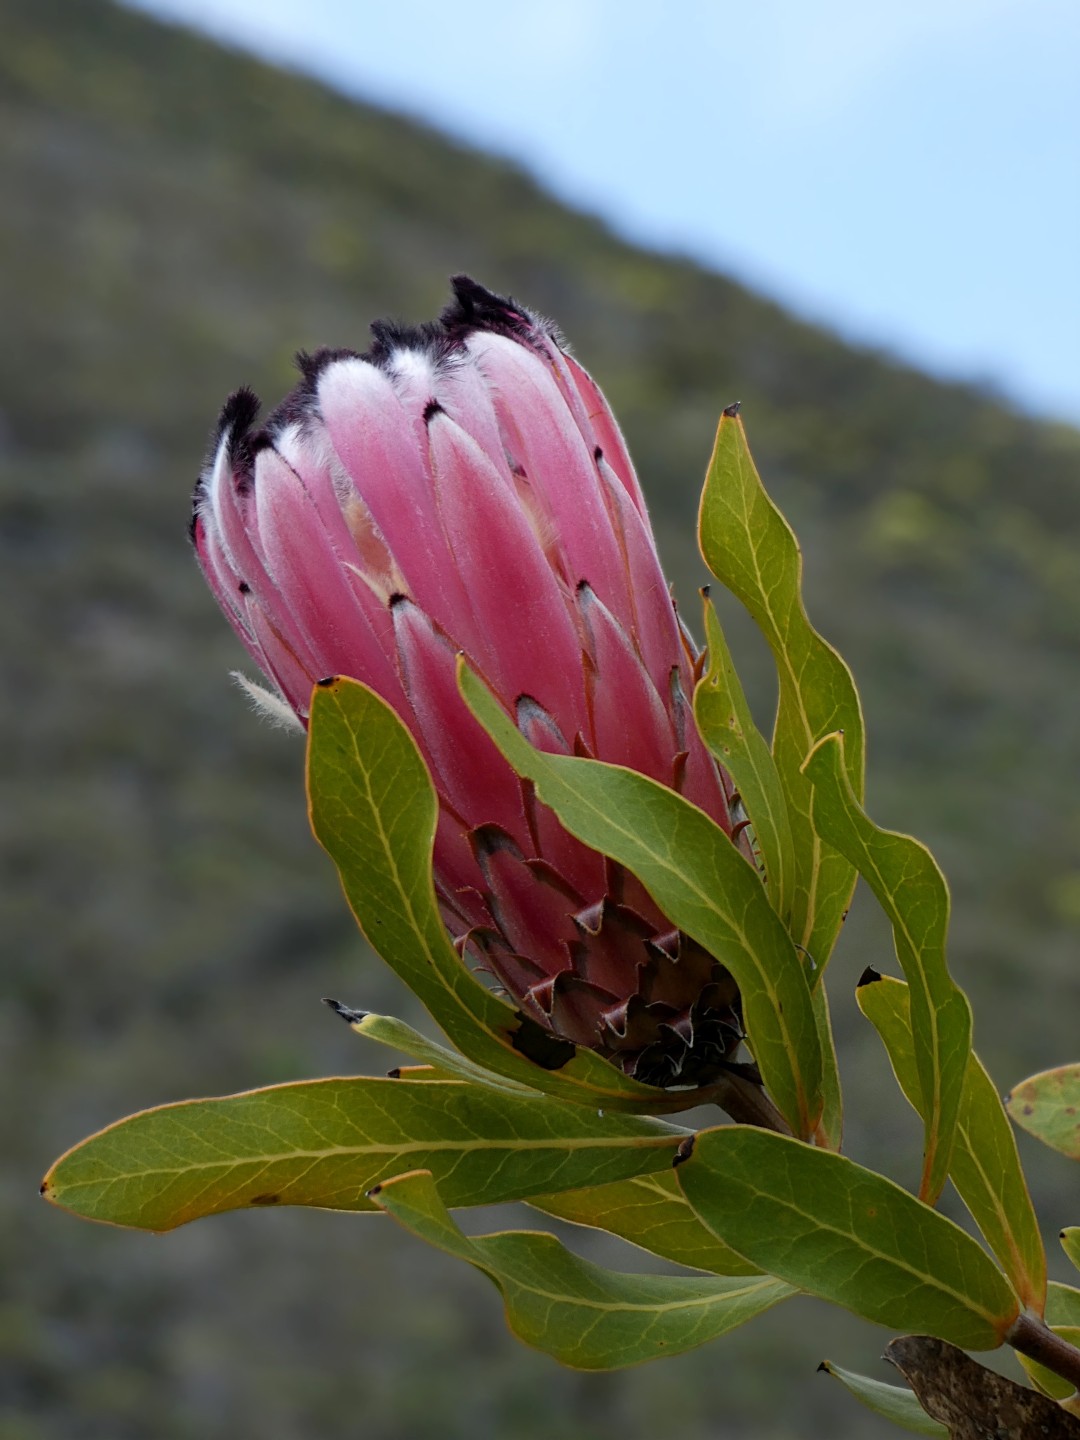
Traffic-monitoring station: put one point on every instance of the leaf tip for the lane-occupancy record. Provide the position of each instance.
(730, 411)
(685, 1150)
(868, 977)
(327, 682)
(347, 1013)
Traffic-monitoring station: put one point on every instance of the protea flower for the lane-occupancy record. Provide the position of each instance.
(464, 486)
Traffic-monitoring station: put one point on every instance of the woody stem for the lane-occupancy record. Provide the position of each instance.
(1033, 1338)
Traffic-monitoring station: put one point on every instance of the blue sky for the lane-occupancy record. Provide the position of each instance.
(907, 171)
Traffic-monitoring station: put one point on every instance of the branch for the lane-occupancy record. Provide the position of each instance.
(1037, 1341)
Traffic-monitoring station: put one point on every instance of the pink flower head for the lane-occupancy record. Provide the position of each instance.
(464, 486)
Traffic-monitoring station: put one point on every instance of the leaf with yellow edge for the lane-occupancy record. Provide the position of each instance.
(1047, 1106)
(701, 883)
(892, 1402)
(912, 891)
(374, 810)
(985, 1166)
(839, 1231)
(650, 1211)
(830, 1131)
(441, 1063)
(326, 1142)
(727, 727)
(585, 1316)
(749, 546)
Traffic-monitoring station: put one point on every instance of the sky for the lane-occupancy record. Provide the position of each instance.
(904, 171)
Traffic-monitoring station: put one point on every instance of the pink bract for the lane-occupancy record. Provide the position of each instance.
(463, 486)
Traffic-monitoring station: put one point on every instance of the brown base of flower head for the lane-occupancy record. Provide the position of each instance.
(697, 1058)
(681, 1026)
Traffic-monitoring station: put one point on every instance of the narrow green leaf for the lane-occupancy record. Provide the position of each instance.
(651, 1212)
(327, 1142)
(912, 891)
(749, 546)
(985, 1166)
(699, 880)
(830, 1131)
(1070, 1243)
(1048, 1106)
(892, 1402)
(445, 1064)
(841, 1232)
(583, 1315)
(727, 727)
(374, 810)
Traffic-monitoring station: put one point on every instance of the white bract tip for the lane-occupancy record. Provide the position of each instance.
(270, 706)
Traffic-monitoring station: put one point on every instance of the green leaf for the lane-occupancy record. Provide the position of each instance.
(892, 1402)
(985, 1166)
(374, 810)
(838, 1231)
(912, 891)
(583, 1315)
(727, 727)
(1070, 1243)
(830, 1131)
(749, 546)
(1048, 1106)
(441, 1063)
(699, 880)
(651, 1212)
(1062, 1304)
(327, 1142)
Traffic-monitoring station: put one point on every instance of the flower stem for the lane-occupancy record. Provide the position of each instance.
(1033, 1338)
(747, 1104)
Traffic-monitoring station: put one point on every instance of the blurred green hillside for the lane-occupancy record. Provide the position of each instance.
(176, 220)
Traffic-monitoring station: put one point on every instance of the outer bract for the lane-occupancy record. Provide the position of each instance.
(463, 486)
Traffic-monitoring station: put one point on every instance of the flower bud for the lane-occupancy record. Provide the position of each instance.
(463, 486)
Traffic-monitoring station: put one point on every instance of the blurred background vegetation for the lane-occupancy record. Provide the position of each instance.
(176, 220)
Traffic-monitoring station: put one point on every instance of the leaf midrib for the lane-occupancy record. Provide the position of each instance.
(408, 1147)
(818, 1225)
(633, 1307)
(708, 903)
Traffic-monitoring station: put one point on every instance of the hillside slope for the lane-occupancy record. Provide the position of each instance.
(177, 220)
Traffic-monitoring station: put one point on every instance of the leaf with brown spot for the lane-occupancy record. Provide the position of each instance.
(1046, 1106)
